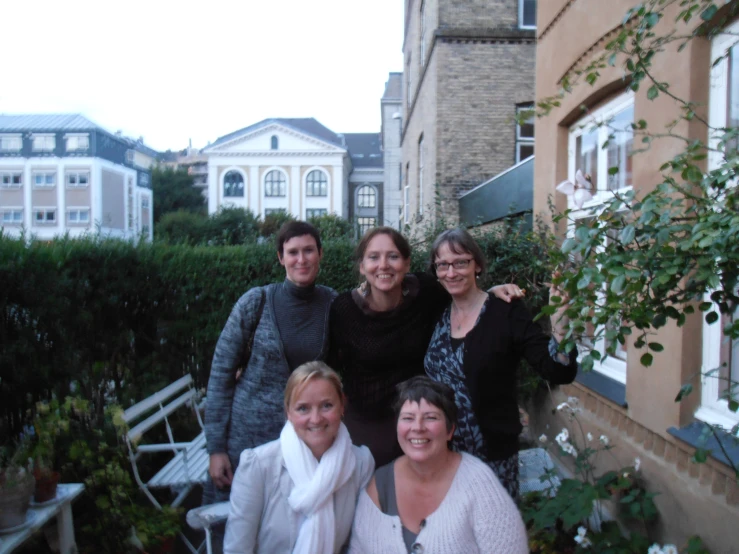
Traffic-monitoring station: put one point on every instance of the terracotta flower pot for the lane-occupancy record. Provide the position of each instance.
(46, 484)
(14, 501)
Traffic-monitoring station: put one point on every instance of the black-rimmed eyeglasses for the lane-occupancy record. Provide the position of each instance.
(443, 267)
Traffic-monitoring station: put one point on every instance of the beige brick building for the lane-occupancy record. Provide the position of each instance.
(469, 66)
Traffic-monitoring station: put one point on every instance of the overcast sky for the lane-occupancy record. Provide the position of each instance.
(176, 70)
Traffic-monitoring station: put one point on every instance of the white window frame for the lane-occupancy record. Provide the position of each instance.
(78, 211)
(310, 188)
(45, 174)
(270, 211)
(612, 367)
(43, 142)
(409, 84)
(406, 203)
(366, 223)
(10, 175)
(521, 140)
(370, 193)
(77, 142)
(11, 142)
(46, 210)
(243, 183)
(145, 202)
(12, 211)
(713, 409)
(285, 183)
(521, 24)
(77, 175)
(422, 34)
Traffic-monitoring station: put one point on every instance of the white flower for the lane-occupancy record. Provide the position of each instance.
(604, 440)
(637, 463)
(562, 406)
(580, 190)
(543, 438)
(573, 400)
(569, 449)
(581, 538)
(669, 549)
(590, 437)
(655, 549)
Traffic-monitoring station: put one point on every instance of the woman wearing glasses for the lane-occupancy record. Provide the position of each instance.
(380, 333)
(476, 347)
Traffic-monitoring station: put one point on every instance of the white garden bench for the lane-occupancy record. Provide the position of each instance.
(189, 465)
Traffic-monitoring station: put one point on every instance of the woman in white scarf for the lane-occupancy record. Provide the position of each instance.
(297, 494)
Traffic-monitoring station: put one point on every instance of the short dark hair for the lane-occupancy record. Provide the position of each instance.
(292, 229)
(460, 242)
(435, 393)
(401, 243)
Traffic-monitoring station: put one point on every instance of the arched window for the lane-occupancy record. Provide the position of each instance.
(274, 142)
(366, 197)
(233, 184)
(316, 183)
(274, 183)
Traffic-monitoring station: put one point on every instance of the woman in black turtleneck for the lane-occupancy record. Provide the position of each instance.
(293, 329)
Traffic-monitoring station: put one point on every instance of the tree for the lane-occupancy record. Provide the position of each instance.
(273, 221)
(232, 226)
(643, 259)
(174, 191)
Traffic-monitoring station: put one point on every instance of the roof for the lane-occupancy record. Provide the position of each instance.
(364, 149)
(51, 122)
(393, 87)
(306, 125)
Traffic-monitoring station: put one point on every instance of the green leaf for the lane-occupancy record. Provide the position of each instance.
(709, 12)
(651, 19)
(583, 282)
(711, 317)
(617, 285)
(627, 234)
(685, 390)
(657, 347)
(653, 92)
(613, 170)
(646, 359)
(733, 405)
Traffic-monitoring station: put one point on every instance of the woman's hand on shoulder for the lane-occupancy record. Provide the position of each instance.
(507, 292)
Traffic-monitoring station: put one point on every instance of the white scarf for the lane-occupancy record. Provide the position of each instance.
(315, 483)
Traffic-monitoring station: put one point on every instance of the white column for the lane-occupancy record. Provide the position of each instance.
(212, 188)
(295, 197)
(338, 192)
(27, 197)
(61, 199)
(255, 188)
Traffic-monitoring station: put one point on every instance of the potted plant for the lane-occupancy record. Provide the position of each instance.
(50, 422)
(157, 529)
(16, 487)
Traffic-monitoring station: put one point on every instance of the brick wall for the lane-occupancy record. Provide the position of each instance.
(482, 14)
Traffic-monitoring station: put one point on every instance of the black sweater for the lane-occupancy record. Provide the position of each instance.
(492, 351)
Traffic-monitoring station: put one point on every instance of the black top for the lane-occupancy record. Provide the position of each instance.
(375, 352)
(385, 483)
(300, 325)
(492, 350)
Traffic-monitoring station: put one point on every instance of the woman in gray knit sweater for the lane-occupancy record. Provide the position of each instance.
(291, 330)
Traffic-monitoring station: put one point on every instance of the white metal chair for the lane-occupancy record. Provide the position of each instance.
(204, 517)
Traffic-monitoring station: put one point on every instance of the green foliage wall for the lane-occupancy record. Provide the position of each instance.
(112, 321)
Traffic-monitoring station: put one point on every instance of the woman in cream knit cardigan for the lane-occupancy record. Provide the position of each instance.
(432, 500)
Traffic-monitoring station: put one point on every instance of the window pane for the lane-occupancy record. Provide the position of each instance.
(525, 150)
(587, 155)
(233, 184)
(619, 149)
(366, 197)
(529, 13)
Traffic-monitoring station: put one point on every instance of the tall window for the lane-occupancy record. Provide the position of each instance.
(316, 183)
(586, 155)
(524, 134)
(408, 84)
(365, 224)
(274, 142)
(233, 184)
(366, 197)
(720, 366)
(422, 34)
(527, 14)
(274, 183)
(419, 194)
(407, 196)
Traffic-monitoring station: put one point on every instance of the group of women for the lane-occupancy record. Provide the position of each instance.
(426, 363)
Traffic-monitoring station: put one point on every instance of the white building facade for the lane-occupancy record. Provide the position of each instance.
(62, 174)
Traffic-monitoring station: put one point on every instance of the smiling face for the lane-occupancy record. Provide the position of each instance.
(383, 265)
(422, 430)
(302, 260)
(315, 411)
(457, 282)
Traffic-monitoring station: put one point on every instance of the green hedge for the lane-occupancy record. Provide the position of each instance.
(113, 321)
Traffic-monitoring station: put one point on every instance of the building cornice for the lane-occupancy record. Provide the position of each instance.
(499, 35)
(265, 130)
(278, 153)
(556, 18)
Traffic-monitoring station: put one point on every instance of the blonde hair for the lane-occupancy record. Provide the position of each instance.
(305, 373)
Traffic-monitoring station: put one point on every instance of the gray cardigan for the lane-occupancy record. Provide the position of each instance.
(249, 412)
(260, 519)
